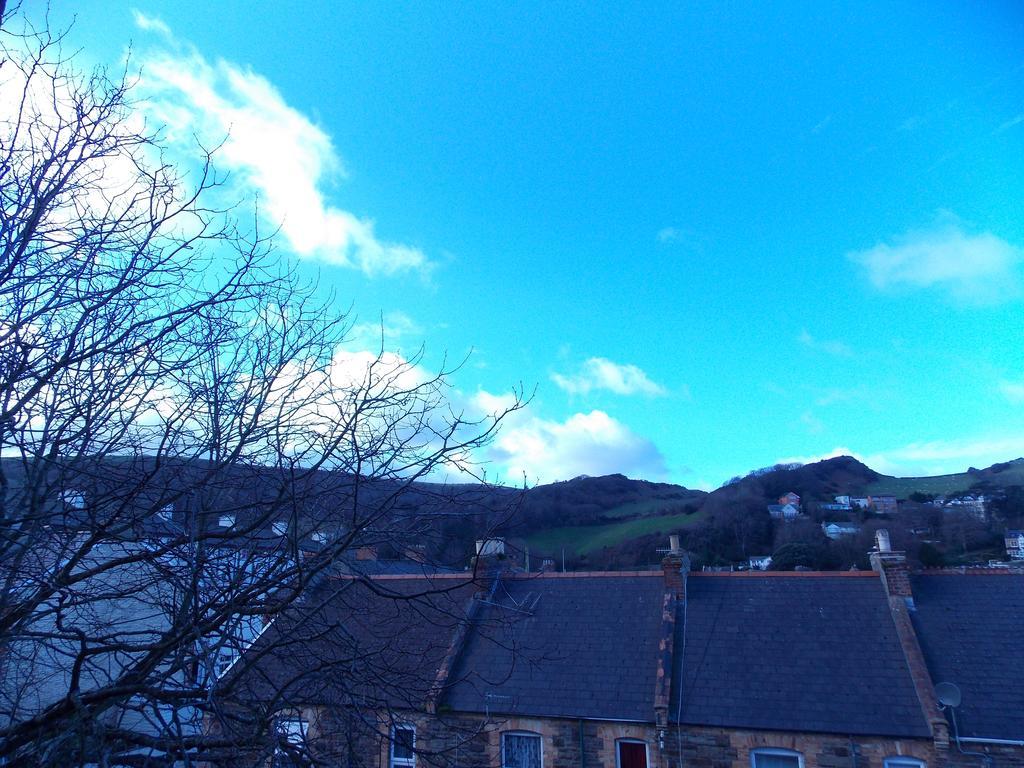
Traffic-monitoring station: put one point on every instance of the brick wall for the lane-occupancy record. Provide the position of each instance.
(996, 756)
(342, 740)
(731, 748)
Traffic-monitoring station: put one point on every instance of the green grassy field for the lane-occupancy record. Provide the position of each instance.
(902, 487)
(583, 539)
(643, 508)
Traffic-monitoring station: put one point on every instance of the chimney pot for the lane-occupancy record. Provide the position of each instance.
(673, 543)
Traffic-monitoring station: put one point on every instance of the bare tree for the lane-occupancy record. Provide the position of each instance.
(185, 446)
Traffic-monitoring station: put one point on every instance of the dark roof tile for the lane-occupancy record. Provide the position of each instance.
(812, 653)
(971, 630)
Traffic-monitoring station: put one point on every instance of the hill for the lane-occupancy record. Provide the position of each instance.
(582, 515)
(1002, 475)
(616, 522)
(820, 480)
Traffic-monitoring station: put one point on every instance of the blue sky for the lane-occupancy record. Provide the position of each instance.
(712, 236)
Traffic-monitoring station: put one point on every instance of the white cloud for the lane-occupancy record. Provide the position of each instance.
(813, 424)
(1012, 390)
(669, 235)
(834, 395)
(150, 23)
(1011, 123)
(600, 373)
(271, 148)
(971, 268)
(936, 457)
(389, 330)
(822, 124)
(543, 450)
(829, 346)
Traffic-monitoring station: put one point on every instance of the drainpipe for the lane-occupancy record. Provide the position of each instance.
(985, 757)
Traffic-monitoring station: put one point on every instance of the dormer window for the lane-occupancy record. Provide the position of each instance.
(226, 521)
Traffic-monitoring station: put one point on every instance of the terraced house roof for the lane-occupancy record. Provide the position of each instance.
(808, 652)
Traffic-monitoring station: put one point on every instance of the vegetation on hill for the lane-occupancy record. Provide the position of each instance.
(615, 522)
(1002, 475)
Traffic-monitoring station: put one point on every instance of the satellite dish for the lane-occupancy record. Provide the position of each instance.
(948, 695)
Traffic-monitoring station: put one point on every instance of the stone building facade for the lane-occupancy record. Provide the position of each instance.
(673, 669)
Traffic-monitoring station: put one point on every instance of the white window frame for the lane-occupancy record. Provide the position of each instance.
(532, 734)
(618, 754)
(903, 761)
(401, 762)
(223, 659)
(777, 752)
(280, 730)
(73, 498)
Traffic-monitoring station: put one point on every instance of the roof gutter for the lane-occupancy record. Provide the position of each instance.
(1007, 742)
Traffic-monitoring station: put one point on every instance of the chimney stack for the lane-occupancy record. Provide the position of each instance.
(675, 564)
(882, 543)
(892, 566)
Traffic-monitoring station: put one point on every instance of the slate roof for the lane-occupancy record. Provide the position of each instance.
(795, 652)
(971, 630)
(367, 642)
(404, 567)
(588, 648)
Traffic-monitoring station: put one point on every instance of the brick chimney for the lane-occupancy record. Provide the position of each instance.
(675, 565)
(891, 566)
(895, 575)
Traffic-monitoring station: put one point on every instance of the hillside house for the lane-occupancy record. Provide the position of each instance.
(838, 530)
(759, 562)
(790, 498)
(834, 507)
(1014, 544)
(975, 505)
(729, 670)
(883, 504)
(783, 511)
